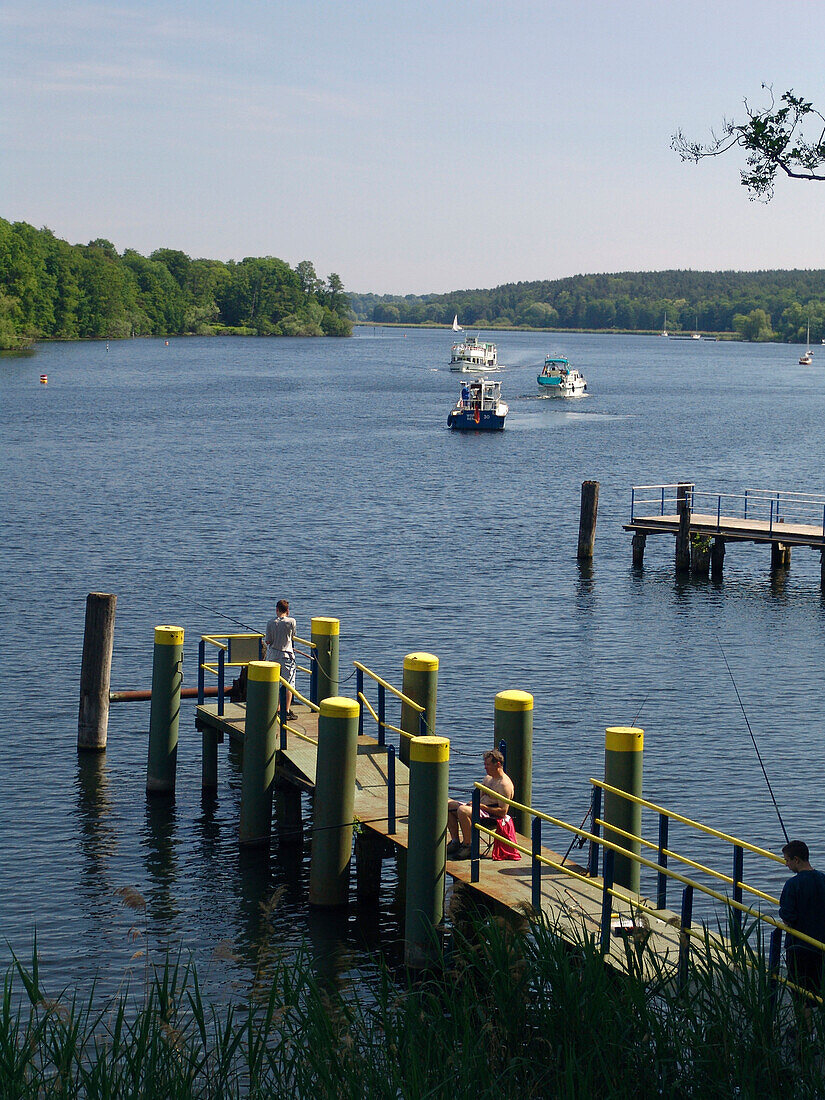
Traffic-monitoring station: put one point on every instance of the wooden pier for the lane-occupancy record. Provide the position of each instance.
(569, 903)
(782, 520)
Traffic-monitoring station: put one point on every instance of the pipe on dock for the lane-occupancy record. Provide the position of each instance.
(144, 695)
(95, 671)
(167, 677)
(587, 520)
(260, 743)
(513, 724)
(334, 802)
(325, 637)
(683, 534)
(420, 683)
(623, 752)
(426, 848)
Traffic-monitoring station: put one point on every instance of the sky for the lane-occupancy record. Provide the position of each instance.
(409, 147)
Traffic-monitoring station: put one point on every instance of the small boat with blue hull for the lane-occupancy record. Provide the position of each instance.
(559, 379)
(479, 408)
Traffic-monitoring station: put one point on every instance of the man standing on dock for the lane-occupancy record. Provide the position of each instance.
(802, 907)
(279, 634)
(460, 814)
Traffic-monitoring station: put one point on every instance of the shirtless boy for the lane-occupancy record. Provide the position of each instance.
(460, 814)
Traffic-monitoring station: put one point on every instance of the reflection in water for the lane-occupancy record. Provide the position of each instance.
(97, 836)
(158, 843)
(327, 933)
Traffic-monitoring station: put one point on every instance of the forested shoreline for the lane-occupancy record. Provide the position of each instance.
(754, 305)
(52, 290)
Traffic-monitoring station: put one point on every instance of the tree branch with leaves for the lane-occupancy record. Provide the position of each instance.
(786, 137)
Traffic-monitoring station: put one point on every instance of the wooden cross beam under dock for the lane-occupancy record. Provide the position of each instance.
(571, 904)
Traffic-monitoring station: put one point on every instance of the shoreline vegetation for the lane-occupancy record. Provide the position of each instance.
(507, 1011)
(52, 290)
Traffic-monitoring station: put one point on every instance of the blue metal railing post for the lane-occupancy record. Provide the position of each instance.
(359, 691)
(282, 714)
(661, 877)
(607, 901)
(535, 834)
(313, 679)
(719, 512)
(201, 671)
(774, 955)
(502, 748)
(770, 527)
(221, 677)
(474, 836)
(382, 704)
(391, 789)
(663, 500)
(738, 875)
(684, 938)
(632, 503)
(595, 814)
(823, 523)
(746, 505)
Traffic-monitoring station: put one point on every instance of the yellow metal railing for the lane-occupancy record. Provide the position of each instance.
(378, 716)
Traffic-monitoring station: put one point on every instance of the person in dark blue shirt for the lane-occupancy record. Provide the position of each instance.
(802, 907)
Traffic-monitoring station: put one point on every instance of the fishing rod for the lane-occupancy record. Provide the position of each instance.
(214, 611)
(753, 739)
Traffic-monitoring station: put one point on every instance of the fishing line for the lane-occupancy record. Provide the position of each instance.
(756, 747)
(580, 840)
(214, 611)
(639, 711)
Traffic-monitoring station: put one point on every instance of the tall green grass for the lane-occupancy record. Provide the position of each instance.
(507, 1013)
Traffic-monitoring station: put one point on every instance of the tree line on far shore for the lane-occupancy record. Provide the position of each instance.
(53, 290)
(753, 305)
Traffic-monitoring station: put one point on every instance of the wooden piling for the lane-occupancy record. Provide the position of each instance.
(369, 851)
(419, 683)
(426, 851)
(717, 556)
(260, 743)
(623, 753)
(95, 672)
(587, 519)
(513, 724)
(780, 555)
(164, 718)
(638, 543)
(333, 806)
(683, 534)
(288, 812)
(700, 547)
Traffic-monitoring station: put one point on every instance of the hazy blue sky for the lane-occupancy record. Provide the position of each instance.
(409, 147)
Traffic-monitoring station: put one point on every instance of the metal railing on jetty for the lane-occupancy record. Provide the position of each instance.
(733, 902)
(771, 506)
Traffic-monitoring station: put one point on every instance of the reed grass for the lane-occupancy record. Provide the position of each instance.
(507, 1013)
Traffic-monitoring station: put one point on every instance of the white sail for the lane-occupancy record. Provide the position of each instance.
(456, 326)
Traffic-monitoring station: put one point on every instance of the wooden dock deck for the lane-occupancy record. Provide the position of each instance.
(571, 905)
(733, 528)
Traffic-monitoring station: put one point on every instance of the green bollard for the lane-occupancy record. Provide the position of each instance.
(420, 683)
(513, 724)
(325, 638)
(426, 847)
(623, 752)
(259, 746)
(167, 677)
(334, 802)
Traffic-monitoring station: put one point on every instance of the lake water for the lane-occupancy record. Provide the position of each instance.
(209, 477)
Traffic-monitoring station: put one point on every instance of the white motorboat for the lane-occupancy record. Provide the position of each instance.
(559, 379)
(470, 354)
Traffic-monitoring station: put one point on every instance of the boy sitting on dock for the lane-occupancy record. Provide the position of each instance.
(460, 814)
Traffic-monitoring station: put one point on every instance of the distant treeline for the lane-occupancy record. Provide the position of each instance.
(53, 290)
(758, 305)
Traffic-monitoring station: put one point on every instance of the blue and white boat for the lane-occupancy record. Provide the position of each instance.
(479, 408)
(558, 379)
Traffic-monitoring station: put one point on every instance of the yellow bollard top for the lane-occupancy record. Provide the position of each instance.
(168, 635)
(421, 662)
(266, 672)
(514, 700)
(338, 706)
(322, 624)
(624, 739)
(429, 750)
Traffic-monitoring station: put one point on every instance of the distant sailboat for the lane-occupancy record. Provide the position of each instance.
(808, 358)
(456, 326)
(664, 331)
